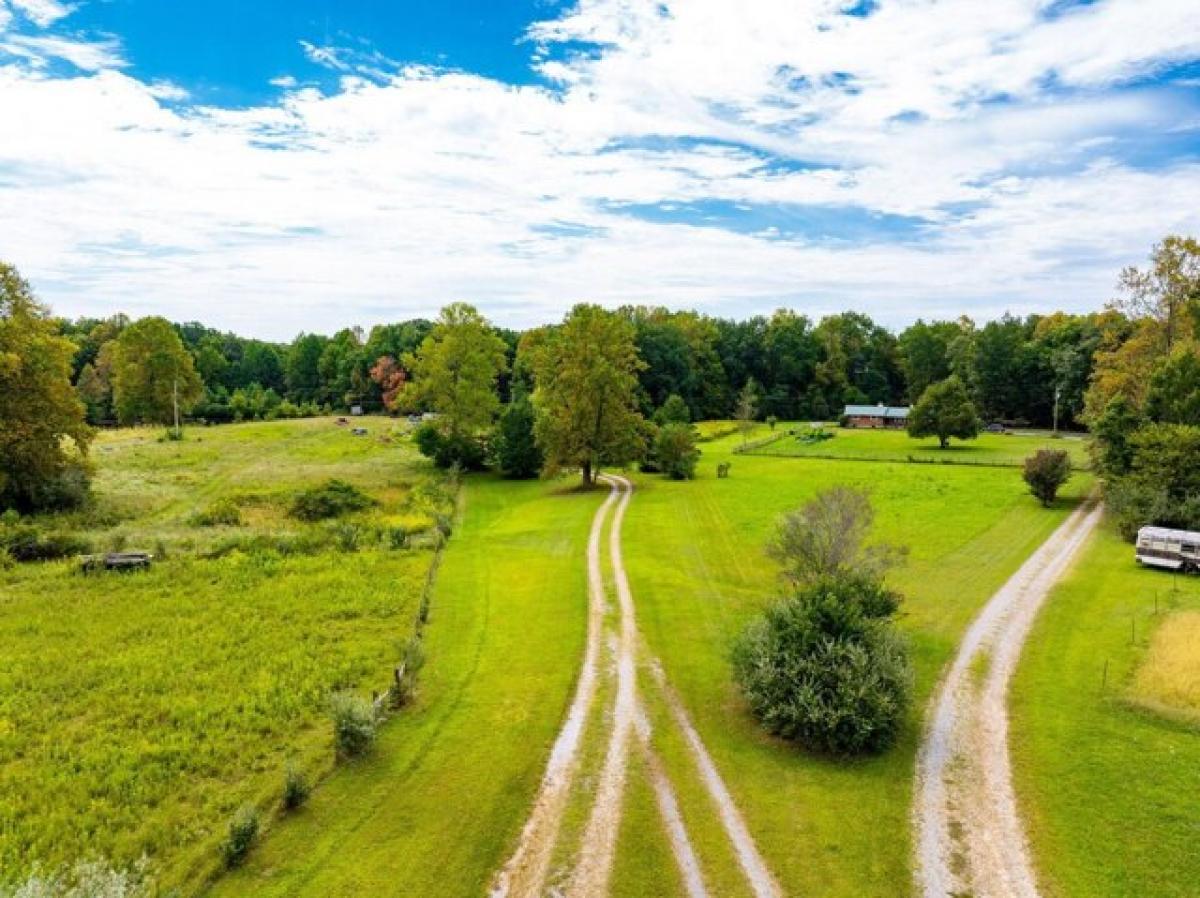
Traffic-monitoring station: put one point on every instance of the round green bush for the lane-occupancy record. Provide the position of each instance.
(826, 670)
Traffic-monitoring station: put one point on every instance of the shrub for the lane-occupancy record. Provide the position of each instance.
(826, 669)
(222, 513)
(396, 536)
(90, 878)
(68, 487)
(676, 452)
(243, 830)
(26, 543)
(329, 500)
(347, 537)
(354, 724)
(827, 539)
(449, 450)
(295, 787)
(412, 657)
(1045, 471)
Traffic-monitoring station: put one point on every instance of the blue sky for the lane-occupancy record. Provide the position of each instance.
(225, 51)
(277, 166)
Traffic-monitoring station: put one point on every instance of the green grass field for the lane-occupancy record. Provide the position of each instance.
(137, 711)
(212, 671)
(1007, 449)
(695, 557)
(1110, 788)
(435, 807)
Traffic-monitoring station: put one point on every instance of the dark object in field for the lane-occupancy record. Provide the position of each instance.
(723, 470)
(359, 431)
(116, 561)
(342, 422)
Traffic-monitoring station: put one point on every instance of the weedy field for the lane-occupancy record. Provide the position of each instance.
(138, 710)
(433, 808)
(1001, 449)
(1105, 735)
(694, 552)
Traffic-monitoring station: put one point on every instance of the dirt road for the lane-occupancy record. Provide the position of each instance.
(527, 872)
(969, 834)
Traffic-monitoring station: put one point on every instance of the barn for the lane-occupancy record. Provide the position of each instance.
(891, 417)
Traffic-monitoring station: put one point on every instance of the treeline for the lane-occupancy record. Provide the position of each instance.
(796, 369)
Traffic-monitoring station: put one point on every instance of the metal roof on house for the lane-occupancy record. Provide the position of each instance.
(876, 411)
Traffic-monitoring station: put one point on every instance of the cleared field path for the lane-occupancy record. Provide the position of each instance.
(969, 834)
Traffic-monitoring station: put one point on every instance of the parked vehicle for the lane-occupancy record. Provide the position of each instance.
(996, 427)
(1175, 550)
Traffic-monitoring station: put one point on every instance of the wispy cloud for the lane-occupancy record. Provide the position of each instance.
(923, 159)
(41, 12)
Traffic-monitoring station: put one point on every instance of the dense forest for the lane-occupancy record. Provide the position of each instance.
(800, 369)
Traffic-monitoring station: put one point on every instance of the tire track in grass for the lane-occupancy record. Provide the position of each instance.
(969, 834)
(668, 808)
(753, 866)
(592, 871)
(525, 872)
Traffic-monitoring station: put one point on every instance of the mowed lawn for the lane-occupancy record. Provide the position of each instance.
(138, 711)
(439, 801)
(1107, 763)
(695, 557)
(1005, 449)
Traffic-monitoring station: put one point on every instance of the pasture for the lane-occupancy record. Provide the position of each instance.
(694, 552)
(1106, 752)
(137, 711)
(999, 449)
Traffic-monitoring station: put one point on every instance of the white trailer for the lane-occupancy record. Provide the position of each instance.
(1175, 550)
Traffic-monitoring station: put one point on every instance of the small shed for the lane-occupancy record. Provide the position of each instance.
(880, 417)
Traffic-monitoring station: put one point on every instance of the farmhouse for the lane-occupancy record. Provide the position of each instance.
(895, 417)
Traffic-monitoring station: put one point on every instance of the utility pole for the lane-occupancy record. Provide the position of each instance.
(175, 400)
(1057, 394)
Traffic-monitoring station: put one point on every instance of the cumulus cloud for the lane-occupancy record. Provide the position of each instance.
(923, 159)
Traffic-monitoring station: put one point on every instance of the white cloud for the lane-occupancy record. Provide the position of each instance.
(408, 187)
(38, 50)
(41, 12)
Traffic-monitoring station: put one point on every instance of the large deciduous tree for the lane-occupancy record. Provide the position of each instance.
(586, 394)
(154, 377)
(43, 437)
(944, 411)
(455, 372)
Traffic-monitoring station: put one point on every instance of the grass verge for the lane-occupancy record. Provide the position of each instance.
(1110, 790)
